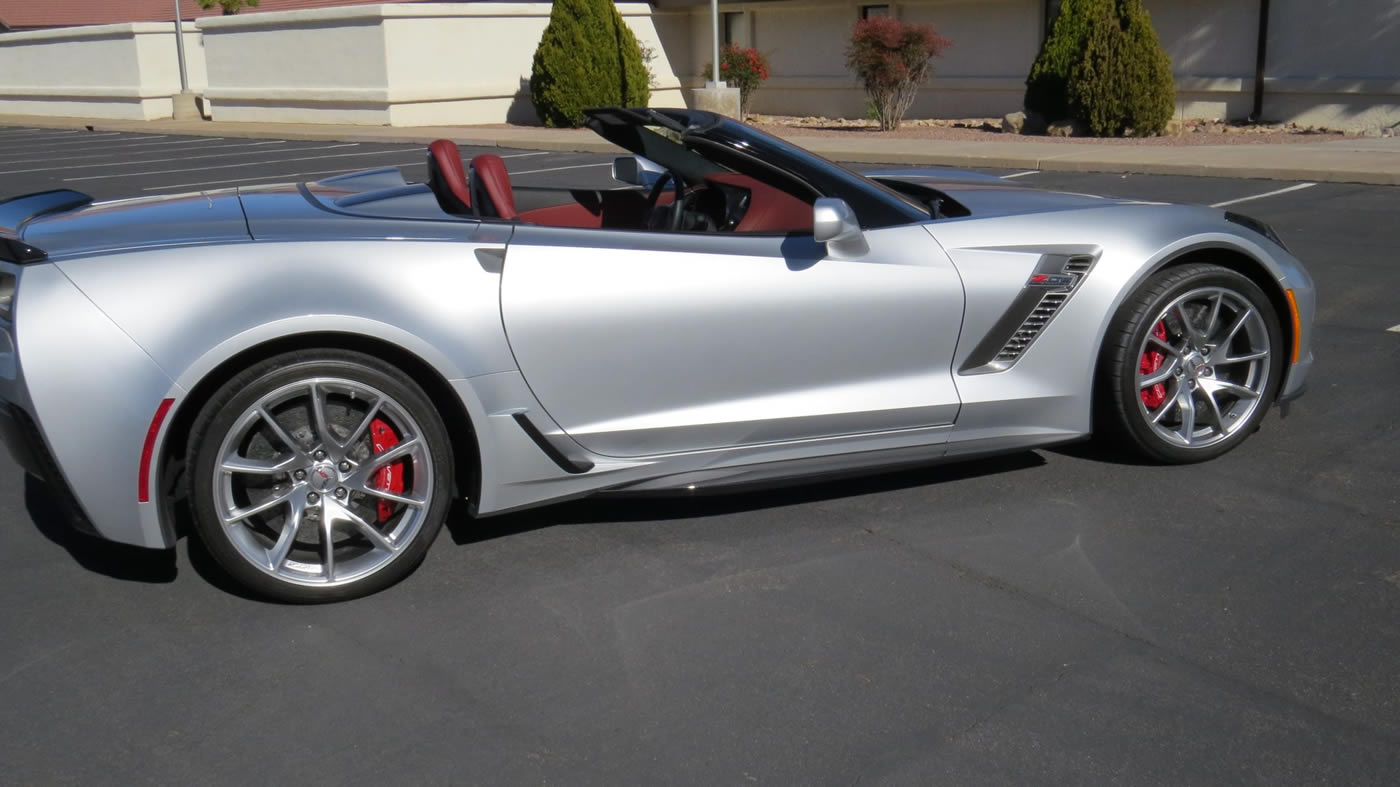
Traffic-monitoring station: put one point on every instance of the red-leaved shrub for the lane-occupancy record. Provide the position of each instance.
(743, 68)
(892, 59)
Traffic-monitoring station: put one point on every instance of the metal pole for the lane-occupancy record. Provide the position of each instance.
(180, 49)
(714, 29)
(1261, 57)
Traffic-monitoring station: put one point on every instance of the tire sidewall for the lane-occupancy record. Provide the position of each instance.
(222, 411)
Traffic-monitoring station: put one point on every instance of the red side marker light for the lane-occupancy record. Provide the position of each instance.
(143, 492)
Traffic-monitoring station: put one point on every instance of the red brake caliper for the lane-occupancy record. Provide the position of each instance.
(1150, 363)
(389, 477)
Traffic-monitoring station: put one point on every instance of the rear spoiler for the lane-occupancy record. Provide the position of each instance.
(16, 212)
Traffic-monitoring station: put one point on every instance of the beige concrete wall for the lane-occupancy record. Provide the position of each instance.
(401, 65)
(983, 73)
(1331, 62)
(126, 71)
(1334, 63)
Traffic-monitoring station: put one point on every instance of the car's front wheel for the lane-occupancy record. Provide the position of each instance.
(319, 476)
(1191, 363)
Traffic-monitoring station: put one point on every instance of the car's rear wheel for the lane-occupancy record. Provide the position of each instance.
(1190, 365)
(319, 476)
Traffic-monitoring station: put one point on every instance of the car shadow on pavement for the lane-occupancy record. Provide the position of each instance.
(119, 561)
(1105, 452)
(681, 505)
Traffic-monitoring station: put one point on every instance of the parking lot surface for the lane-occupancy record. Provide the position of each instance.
(1055, 617)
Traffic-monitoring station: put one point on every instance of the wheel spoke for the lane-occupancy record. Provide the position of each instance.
(409, 446)
(385, 494)
(1192, 332)
(278, 554)
(1254, 356)
(364, 424)
(370, 531)
(318, 416)
(1236, 326)
(1160, 376)
(328, 543)
(1226, 387)
(1163, 344)
(1214, 409)
(241, 464)
(1167, 403)
(1214, 315)
(1186, 403)
(279, 432)
(240, 514)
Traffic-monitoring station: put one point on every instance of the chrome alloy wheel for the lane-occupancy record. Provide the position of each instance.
(1203, 367)
(323, 481)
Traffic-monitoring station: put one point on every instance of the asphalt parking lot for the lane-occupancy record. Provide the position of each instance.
(1053, 617)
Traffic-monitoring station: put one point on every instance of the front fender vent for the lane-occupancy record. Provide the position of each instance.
(1039, 317)
(1049, 288)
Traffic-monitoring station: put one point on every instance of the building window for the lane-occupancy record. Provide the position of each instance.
(735, 28)
(871, 11)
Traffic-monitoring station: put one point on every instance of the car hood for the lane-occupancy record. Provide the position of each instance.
(987, 196)
(208, 217)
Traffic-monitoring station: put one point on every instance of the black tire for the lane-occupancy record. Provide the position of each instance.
(230, 409)
(1125, 408)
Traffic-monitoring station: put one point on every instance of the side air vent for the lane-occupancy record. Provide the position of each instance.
(1038, 319)
(1080, 265)
(1046, 292)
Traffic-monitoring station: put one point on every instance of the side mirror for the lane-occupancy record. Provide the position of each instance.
(833, 221)
(636, 171)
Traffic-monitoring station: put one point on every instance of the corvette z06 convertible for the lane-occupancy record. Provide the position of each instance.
(312, 373)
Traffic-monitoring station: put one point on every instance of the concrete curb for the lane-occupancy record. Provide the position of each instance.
(1328, 162)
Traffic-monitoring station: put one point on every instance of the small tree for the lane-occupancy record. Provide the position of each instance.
(745, 69)
(1104, 65)
(230, 7)
(892, 59)
(587, 57)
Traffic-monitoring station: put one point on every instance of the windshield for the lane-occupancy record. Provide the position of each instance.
(695, 143)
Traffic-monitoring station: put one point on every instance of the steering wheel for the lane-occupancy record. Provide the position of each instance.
(656, 189)
(678, 204)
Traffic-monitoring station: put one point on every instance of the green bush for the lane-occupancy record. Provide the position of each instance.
(1103, 64)
(587, 57)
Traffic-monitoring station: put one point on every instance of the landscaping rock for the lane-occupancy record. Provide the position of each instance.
(1023, 123)
(1068, 128)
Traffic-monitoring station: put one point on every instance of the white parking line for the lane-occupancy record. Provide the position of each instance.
(1298, 187)
(1394, 329)
(179, 158)
(83, 140)
(16, 133)
(84, 156)
(558, 169)
(278, 178)
(84, 152)
(1007, 177)
(244, 164)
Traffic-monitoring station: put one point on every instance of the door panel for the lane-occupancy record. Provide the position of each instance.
(649, 343)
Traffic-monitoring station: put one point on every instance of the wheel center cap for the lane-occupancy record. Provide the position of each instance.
(1196, 365)
(322, 476)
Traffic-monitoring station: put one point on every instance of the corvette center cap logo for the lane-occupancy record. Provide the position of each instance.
(321, 477)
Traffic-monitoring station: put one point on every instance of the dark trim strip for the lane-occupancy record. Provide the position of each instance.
(566, 463)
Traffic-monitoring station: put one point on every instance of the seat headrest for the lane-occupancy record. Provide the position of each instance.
(448, 179)
(491, 186)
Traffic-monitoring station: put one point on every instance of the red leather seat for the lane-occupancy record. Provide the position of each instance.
(491, 187)
(447, 178)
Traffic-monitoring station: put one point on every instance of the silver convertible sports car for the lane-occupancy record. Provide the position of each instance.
(317, 371)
